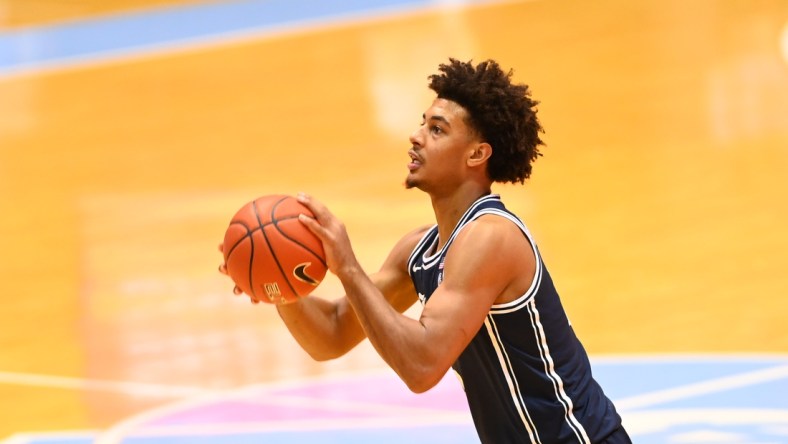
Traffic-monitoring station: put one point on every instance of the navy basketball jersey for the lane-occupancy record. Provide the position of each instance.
(526, 375)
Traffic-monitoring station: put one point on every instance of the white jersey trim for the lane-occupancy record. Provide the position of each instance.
(511, 380)
(414, 254)
(558, 383)
(432, 259)
(526, 300)
(520, 302)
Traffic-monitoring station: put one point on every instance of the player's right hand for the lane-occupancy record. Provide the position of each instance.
(332, 233)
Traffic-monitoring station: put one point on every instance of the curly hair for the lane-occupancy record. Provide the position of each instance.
(502, 113)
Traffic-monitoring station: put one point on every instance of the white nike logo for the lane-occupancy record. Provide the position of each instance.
(416, 268)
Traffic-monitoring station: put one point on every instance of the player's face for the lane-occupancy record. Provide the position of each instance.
(439, 146)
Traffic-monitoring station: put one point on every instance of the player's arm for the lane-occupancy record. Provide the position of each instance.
(482, 266)
(327, 329)
(489, 262)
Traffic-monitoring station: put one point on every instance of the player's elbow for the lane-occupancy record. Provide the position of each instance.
(329, 347)
(422, 380)
(419, 386)
(322, 354)
(325, 347)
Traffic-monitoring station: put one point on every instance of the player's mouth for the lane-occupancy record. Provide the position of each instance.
(415, 160)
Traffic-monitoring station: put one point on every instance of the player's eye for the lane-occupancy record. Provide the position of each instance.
(435, 129)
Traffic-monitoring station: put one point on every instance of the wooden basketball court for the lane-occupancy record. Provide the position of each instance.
(659, 205)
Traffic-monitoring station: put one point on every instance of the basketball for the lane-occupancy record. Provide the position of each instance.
(269, 254)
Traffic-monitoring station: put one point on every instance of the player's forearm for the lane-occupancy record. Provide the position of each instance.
(401, 341)
(313, 323)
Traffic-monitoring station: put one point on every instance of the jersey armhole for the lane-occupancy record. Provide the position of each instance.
(520, 301)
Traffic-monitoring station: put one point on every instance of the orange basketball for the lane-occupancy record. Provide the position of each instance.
(270, 254)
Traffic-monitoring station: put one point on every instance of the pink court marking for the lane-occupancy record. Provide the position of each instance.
(355, 397)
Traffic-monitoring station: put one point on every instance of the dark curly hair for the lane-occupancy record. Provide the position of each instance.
(502, 113)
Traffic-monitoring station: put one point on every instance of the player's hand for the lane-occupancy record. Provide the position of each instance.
(223, 270)
(340, 258)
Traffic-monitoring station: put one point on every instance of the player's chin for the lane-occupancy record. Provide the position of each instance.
(412, 180)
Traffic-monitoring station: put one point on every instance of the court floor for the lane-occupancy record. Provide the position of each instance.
(731, 399)
(131, 131)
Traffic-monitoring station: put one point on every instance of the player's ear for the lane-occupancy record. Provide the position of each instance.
(479, 154)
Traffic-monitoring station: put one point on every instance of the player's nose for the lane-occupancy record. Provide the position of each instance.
(416, 137)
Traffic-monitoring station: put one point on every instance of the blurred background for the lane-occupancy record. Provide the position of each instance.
(132, 130)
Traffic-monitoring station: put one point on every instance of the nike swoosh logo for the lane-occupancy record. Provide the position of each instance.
(417, 268)
(300, 273)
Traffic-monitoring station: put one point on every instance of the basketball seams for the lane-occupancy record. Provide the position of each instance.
(251, 254)
(261, 227)
(273, 253)
(241, 239)
(288, 242)
(295, 241)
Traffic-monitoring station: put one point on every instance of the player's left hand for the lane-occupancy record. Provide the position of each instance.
(223, 270)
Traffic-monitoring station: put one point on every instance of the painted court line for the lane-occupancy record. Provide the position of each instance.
(133, 388)
(26, 438)
(137, 422)
(299, 425)
(352, 406)
(703, 388)
(178, 420)
(641, 423)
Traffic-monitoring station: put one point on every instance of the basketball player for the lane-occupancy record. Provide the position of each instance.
(490, 310)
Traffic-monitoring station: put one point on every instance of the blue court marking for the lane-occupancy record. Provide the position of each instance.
(23, 50)
(660, 374)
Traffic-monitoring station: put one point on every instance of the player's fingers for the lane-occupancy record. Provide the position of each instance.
(223, 269)
(318, 209)
(237, 290)
(313, 226)
(221, 247)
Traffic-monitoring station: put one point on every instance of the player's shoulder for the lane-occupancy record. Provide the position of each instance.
(494, 223)
(491, 231)
(409, 241)
(398, 256)
(394, 271)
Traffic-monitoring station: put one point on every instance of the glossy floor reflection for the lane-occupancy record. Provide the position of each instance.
(658, 205)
